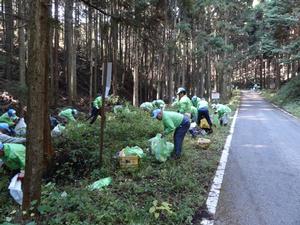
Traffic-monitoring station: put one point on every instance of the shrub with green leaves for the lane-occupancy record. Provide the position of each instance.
(78, 149)
(287, 97)
(180, 186)
(289, 92)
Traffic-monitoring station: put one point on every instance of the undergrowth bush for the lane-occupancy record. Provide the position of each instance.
(287, 97)
(78, 150)
(289, 92)
(183, 183)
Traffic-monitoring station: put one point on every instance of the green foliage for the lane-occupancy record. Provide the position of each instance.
(78, 149)
(289, 92)
(163, 209)
(287, 97)
(5, 201)
(270, 26)
(185, 29)
(179, 187)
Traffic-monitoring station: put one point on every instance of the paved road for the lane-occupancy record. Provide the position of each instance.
(261, 184)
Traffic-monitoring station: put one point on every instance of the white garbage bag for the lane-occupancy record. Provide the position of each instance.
(57, 131)
(20, 128)
(15, 189)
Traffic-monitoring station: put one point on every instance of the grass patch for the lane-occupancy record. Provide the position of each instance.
(288, 97)
(180, 186)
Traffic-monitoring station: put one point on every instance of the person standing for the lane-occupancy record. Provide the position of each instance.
(183, 104)
(96, 108)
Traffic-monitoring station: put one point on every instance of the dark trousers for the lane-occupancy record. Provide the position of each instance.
(179, 135)
(53, 122)
(94, 114)
(203, 113)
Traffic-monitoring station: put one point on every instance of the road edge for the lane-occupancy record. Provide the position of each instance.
(284, 111)
(278, 107)
(213, 196)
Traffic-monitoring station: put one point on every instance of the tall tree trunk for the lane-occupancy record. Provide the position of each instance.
(261, 71)
(9, 38)
(22, 50)
(277, 73)
(38, 141)
(55, 56)
(90, 51)
(69, 45)
(269, 73)
(97, 54)
(208, 74)
(114, 33)
(51, 71)
(136, 74)
(264, 74)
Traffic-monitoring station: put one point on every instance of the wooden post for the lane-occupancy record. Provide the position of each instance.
(103, 111)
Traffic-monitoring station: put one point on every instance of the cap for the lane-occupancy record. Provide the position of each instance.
(75, 112)
(155, 113)
(181, 89)
(194, 98)
(11, 112)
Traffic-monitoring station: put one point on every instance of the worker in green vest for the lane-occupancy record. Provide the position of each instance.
(69, 114)
(196, 101)
(9, 117)
(147, 106)
(223, 112)
(183, 104)
(96, 108)
(13, 157)
(158, 104)
(203, 113)
(173, 122)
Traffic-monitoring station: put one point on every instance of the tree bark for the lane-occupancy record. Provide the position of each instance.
(9, 37)
(69, 45)
(136, 77)
(38, 142)
(55, 56)
(22, 50)
(114, 34)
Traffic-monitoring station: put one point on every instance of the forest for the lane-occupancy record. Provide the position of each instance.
(157, 46)
(55, 53)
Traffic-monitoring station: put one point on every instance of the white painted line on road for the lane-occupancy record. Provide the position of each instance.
(284, 111)
(213, 196)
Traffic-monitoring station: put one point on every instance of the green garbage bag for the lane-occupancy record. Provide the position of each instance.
(134, 151)
(161, 148)
(99, 184)
(121, 109)
(216, 120)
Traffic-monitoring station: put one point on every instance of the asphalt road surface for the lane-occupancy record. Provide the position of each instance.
(261, 185)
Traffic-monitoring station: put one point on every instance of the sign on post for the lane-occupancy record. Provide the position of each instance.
(215, 95)
(108, 77)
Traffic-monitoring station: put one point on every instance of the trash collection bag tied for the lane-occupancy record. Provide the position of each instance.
(161, 148)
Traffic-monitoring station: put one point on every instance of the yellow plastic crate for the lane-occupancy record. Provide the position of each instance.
(204, 143)
(129, 162)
